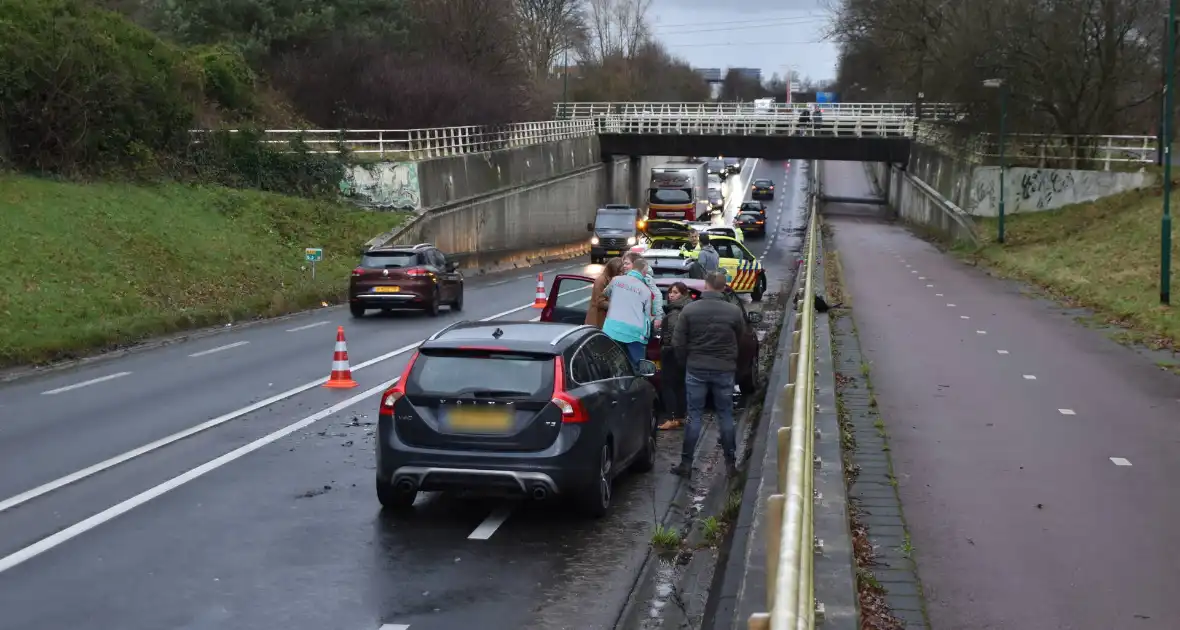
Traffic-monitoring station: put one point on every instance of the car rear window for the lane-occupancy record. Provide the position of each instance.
(484, 373)
(762, 182)
(748, 217)
(389, 260)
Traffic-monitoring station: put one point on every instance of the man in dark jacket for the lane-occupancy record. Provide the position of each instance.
(706, 340)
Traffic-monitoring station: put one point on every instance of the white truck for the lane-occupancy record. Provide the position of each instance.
(678, 190)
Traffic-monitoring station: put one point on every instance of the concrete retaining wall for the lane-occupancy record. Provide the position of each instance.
(975, 188)
(921, 206)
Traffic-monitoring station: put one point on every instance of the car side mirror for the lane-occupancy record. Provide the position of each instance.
(647, 368)
(753, 317)
(452, 266)
(589, 227)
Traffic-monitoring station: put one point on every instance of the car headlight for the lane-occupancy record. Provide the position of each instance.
(593, 240)
(631, 240)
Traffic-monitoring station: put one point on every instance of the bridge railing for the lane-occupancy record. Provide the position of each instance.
(407, 144)
(1109, 152)
(788, 124)
(565, 111)
(790, 531)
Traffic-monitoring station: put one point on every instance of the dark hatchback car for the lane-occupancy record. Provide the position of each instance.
(762, 189)
(519, 408)
(733, 165)
(751, 223)
(418, 277)
(753, 206)
(570, 295)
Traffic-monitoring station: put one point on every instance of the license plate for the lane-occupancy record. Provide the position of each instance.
(387, 289)
(477, 420)
(614, 252)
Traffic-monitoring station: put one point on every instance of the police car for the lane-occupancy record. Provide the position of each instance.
(742, 268)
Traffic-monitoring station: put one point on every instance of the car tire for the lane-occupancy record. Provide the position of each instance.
(759, 289)
(457, 305)
(596, 497)
(357, 311)
(647, 457)
(435, 305)
(393, 499)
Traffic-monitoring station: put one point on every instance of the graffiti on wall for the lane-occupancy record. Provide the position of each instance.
(384, 185)
(1037, 189)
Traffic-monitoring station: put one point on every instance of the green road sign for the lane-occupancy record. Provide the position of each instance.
(313, 254)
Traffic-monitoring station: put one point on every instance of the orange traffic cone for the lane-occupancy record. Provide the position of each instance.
(341, 377)
(541, 299)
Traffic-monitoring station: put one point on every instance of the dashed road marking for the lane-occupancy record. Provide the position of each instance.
(981, 332)
(219, 349)
(930, 286)
(493, 522)
(1120, 461)
(1030, 377)
(950, 305)
(964, 317)
(1067, 412)
(101, 379)
(915, 271)
(939, 295)
(394, 626)
(1001, 352)
(307, 326)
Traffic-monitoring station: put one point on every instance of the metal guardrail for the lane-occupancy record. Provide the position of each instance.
(790, 531)
(565, 111)
(427, 143)
(787, 124)
(1048, 150)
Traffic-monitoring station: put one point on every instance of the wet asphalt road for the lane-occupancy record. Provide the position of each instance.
(1037, 459)
(116, 512)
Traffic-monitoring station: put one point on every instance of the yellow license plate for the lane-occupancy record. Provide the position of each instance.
(613, 252)
(476, 420)
(387, 289)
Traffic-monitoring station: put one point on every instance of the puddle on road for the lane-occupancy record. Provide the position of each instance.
(665, 590)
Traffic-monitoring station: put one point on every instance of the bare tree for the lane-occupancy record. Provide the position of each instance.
(615, 28)
(546, 30)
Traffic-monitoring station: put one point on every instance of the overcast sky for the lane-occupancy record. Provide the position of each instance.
(767, 34)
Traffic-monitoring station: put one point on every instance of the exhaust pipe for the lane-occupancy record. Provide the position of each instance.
(540, 493)
(407, 486)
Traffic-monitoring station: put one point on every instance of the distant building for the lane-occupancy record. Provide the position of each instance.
(753, 74)
(712, 75)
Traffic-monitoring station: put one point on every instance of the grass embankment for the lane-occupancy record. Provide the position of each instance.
(1103, 255)
(95, 266)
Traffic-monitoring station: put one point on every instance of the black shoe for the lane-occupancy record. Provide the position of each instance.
(682, 470)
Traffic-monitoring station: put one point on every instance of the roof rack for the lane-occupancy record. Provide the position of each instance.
(567, 333)
(447, 328)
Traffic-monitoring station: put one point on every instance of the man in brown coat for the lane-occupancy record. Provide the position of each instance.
(596, 312)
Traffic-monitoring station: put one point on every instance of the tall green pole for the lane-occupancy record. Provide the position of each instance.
(1003, 157)
(565, 85)
(1166, 126)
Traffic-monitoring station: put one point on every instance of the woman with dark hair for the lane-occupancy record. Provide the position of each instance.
(596, 312)
(671, 369)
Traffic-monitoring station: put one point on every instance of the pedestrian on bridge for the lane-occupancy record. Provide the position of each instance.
(706, 341)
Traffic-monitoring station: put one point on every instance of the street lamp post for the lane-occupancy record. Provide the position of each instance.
(1166, 150)
(1003, 87)
(565, 84)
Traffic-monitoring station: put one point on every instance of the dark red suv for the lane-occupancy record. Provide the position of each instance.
(417, 277)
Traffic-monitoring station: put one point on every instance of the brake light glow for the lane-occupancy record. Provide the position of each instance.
(359, 271)
(395, 393)
(571, 408)
(417, 272)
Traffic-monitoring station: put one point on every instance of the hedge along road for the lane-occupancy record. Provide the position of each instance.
(72, 424)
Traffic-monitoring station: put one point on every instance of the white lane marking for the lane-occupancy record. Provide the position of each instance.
(930, 286)
(915, 271)
(964, 317)
(939, 295)
(523, 277)
(951, 305)
(394, 626)
(493, 522)
(1067, 412)
(1030, 377)
(101, 379)
(1001, 352)
(907, 266)
(921, 277)
(981, 332)
(299, 328)
(29, 495)
(1120, 461)
(500, 282)
(81, 527)
(219, 348)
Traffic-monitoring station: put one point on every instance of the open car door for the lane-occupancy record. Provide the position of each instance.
(569, 299)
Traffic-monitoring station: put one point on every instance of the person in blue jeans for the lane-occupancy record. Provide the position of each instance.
(629, 314)
(706, 340)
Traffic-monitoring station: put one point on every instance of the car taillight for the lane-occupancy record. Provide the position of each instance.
(395, 393)
(359, 271)
(571, 408)
(417, 272)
